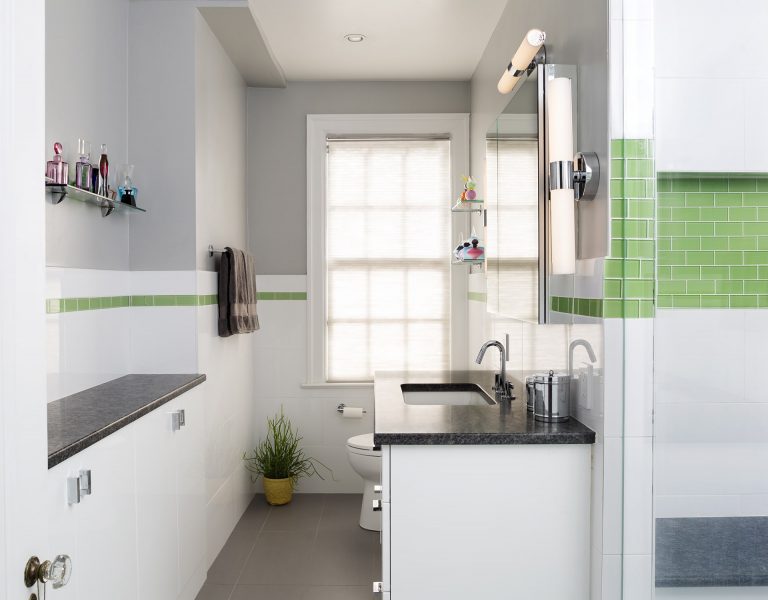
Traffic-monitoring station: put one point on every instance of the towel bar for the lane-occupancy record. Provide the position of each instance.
(212, 250)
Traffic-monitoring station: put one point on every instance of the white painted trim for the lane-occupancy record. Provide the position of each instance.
(456, 125)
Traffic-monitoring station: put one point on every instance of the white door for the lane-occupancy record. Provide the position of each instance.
(23, 438)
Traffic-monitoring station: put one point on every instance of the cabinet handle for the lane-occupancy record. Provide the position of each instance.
(182, 418)
(73, 490)
(376, 505)
(85, 482)
(377, 489)
(378, 587)
(176, 420)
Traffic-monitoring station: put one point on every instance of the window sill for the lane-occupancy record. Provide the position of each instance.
(320, 386)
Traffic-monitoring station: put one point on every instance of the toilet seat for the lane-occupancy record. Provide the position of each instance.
(363, 444)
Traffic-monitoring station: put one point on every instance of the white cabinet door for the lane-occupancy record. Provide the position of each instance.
(190, 465)
(156, 505)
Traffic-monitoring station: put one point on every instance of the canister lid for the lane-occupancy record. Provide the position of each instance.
(552, 377)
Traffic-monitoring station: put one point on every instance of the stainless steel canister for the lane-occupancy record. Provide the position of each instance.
(551, 397)
(529, 391)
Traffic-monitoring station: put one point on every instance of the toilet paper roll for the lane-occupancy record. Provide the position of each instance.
(352, 412)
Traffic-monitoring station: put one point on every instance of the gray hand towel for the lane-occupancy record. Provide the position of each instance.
(237, 293)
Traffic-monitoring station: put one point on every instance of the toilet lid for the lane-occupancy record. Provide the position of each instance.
(362, 442)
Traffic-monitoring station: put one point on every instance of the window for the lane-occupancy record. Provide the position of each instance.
(387, 248)
(381, 291)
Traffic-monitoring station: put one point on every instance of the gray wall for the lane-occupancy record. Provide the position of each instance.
(85, 82)
(577, 34)
(277, 149)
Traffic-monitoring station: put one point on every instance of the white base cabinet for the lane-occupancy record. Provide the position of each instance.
(140, 534)
(497, 522)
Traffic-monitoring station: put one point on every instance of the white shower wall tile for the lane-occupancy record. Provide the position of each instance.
(709, 505)
(638, 79)
(163, 339)
(145, 283)
(638, 377)
(613, 482)
(616, 75)
(638, 495)
(79, 283)
(611, 578)
(281, 283)
(613, 404)
(637, 577)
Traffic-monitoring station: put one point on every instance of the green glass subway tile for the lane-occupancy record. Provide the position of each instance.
(282, 296)
(679, 273)
(617, 188)
(743, 301)
(637, 168)
(724, 229)
(762, 242)
(755, 228)
(756, 287)
(699, 258)
(617, 209)
(70, 304)
(664, 214)
(664, 301)
(568, 306)
(613, 267)
(672, 258)
(762, 185)
(665, 273)
(728, 200)
(713, 185)
(617, 248)
(762, 214)
(715, 302)
(762, 272)
(672, 229)
(748, 213)
(123, 301)
(186, 300)
(716, 214)
(688, 243)
(714, 243)
(702, 229)
(265, 295)
(298, 295)
(665, 243)
(638, 288)
(83, 304)
(701, 287)
(631, 309)
(742, 243)
(686, 301)
(612, 288)
(742, 185)
(141, 300)
(98, 304)
(756, 258)
(647, 269)
(673, 287)
(685, 214)
(617, 148)
(53, 306)
(617, 228)
(762, 301)
(596, 308)
(631, 269)
(613, 309)
(714, 273)
(640, 249)
(164, 300)
(637, 149)
(636, 228)
(700, 199)
(685, 185)
(647, 309)
(617, 168)
(729, 258)
(729, 287)
(664, 185)
(635, 188)
(744, 272)
(640, 209)
(757, 199)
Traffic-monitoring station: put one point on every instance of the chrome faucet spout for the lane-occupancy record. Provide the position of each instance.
(502, 387)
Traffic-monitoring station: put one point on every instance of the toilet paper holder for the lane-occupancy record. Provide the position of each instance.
(340, 408)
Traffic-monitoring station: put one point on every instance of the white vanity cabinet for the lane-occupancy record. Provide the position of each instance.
(140, 534)
(485, 521)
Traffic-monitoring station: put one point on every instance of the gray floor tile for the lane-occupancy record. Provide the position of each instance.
(268, 592)
(302, 514)
(342, 511)
(344, 557)
(357, 592)
(279, 557)
(215, 591)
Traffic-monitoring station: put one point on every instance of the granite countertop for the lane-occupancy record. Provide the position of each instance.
(396, 422)
(82, 419)
(712, 552)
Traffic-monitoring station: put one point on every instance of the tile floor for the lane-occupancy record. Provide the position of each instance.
(310, 549)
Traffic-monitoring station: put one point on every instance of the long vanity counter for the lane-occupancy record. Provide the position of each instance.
(397, 422)
(82, 419)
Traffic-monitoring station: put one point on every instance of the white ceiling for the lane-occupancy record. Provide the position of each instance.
(406, 39)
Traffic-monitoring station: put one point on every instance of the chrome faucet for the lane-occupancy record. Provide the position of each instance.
(587, 346)
(502, 387)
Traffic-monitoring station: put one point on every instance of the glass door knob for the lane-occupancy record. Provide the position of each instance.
(57, 571)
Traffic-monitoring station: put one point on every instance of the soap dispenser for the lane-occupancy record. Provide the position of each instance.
(83, 167)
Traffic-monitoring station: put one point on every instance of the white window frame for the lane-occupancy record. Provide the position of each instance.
(319, 128)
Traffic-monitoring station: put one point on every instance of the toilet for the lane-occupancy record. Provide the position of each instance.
(365, 459)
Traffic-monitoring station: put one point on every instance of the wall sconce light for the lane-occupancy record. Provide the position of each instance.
(570, 177)
(523, 60)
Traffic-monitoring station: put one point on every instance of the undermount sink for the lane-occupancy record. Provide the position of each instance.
(447, 394)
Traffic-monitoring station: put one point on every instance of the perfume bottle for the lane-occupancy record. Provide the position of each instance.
(83, 167)
(103, 189)
(126, 191)
(57, 171)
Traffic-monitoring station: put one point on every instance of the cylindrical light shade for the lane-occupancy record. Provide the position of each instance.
(527, 50)
(563, 231)
(562, 202)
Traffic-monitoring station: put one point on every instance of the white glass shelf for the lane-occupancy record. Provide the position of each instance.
(469, 261)
(468, 206)
(60, 191)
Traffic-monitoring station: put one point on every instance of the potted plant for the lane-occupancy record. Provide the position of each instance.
(280, 461)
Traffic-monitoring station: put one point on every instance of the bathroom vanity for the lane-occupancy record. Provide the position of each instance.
(477, 498)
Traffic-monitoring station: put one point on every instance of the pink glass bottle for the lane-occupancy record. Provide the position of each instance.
(103, 189)
(56, 170)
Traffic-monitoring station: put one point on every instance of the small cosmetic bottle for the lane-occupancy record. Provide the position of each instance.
(103, 189)
(57, 171)
(83, 167)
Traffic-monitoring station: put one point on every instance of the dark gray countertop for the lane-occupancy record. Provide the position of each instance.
(80, 420)
(712, 552)
(396, 422)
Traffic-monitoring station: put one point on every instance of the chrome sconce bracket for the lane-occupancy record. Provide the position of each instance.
(582, 175)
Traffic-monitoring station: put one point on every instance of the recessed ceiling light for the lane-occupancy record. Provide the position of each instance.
(354, 37)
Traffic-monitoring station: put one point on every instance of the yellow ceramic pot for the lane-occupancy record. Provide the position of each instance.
(278, 491)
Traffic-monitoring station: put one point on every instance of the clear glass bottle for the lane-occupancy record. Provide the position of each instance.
(103, 189)
(57, 171)
(83, 167)
(126, 191)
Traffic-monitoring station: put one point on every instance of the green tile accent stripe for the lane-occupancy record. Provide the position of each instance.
(586, 307)
(477, 296)
(62, 305)
(712, 241)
